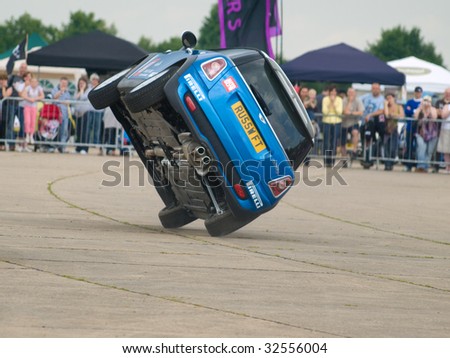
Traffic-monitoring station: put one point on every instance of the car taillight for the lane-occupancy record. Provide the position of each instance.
(190, 103)
(240, 191)
(212, 68)
(279, 186)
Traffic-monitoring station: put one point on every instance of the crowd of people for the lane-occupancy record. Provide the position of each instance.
(28, 116)
(368, 127)
(347, 126)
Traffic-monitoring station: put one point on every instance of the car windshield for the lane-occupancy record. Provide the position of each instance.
(284, 119)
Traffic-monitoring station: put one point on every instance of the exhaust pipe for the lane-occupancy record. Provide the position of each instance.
(206, 160)
(195, 153)
(201, 151)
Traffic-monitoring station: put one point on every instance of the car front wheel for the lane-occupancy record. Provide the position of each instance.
(106, 93)
(149, 92)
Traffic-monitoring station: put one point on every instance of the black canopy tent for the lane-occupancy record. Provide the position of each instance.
(94, 51)
(341, 64)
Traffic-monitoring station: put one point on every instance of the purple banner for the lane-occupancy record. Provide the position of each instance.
(248, 23)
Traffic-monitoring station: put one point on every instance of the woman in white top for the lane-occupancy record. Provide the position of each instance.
(31, 93)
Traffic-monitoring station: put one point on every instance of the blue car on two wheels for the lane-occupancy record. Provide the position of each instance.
(220, 132)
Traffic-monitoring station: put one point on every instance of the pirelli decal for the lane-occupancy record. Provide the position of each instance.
(248, 126)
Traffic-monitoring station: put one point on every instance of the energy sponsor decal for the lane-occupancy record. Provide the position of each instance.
(248, 126)
(195, 88)
(230, 84)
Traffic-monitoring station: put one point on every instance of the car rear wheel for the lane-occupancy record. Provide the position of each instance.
(149, 92)
(175, 217)
(106, 93)
(221, 225)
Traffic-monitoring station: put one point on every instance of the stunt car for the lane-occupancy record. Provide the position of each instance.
(220, 132)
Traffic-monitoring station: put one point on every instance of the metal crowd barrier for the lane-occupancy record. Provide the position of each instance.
(376, 147)
(59, 125)
(53, 125)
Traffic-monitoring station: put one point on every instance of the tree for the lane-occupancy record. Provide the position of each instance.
(398, 42)
(147, 44)
(81, 23)
(14, 30)
(209, 36)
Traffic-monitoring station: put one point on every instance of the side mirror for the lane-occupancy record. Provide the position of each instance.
(188, 39)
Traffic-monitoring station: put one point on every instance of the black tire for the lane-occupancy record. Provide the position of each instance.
(221, 225)
(106, 93)
(174, 217)
(149, 92)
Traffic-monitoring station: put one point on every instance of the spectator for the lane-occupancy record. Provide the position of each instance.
(62, 94)
(411, 127)
(13, 106)
(332, 112)
(96, 115)
(313, 114)
(311, 108)
(427, 134)
(112, 127)
(31, 93)
(4, 93)
(311, 103)
(392, 112)
(91, 119)
(304, 94)
(325, 92)
(82, 107)
(440, 104)
(412, 104)
(444, 136)
(353, 110)
(373, 118)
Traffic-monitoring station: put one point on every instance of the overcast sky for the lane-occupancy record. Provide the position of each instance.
(308, 25)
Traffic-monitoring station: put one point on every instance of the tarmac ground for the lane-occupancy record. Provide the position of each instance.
(366, 258)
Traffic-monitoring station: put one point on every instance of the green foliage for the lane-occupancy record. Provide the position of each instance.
(174, 43)
(13, 31)
(209, 36)
(81, 23)
(146, 44)
(398, 42)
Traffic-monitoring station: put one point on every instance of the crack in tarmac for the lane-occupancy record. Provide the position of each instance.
(171, 299)
(179, 266)
(366, 226)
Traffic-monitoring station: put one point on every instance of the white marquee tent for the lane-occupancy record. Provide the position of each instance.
(432, 78)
